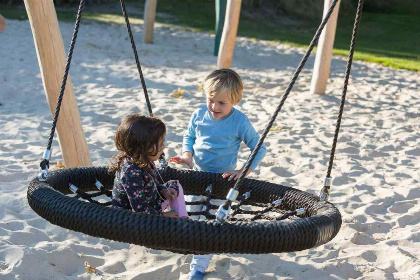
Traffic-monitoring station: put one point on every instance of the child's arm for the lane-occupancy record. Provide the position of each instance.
(250, 137)
(185, 159)
(187, 144)
(138, 192)
(234, 174)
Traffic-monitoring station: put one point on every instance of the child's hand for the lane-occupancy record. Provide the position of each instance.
(182, 160)
(234, 174)
(169, 194)
(171, 214)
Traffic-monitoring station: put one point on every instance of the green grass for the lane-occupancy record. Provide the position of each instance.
(388, 39)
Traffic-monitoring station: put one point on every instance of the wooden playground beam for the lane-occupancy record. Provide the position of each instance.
(220, 6)
(230, 29)
(2, 23)
(52, 59)
(324, 51)
(149, 20)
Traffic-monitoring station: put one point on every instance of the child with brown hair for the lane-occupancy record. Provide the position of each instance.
(137, 185)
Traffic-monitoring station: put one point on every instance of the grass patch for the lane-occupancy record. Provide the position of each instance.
(388, 39)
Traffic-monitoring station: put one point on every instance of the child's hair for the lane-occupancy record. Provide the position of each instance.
(136, 135)
(224, 81)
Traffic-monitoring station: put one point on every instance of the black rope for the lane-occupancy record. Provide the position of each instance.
(133, 45)
(286, 215)
(346, 82)
(285, 95)
(104, 191)
(143, 82)
(66, 73)
(237, 208)
(258, 214)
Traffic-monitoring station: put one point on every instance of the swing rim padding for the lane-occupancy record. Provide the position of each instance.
(321, 222)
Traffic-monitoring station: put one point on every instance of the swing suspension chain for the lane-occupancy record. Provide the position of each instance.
(66, 72)
(325, 191)
(346, 82)
(133, 45)
(143, 82)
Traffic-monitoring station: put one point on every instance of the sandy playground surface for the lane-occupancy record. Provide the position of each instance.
(376, 172)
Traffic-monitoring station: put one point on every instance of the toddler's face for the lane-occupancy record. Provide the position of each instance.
(219, 106)
(152, 151)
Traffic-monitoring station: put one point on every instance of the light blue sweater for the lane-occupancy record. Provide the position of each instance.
(215, 144)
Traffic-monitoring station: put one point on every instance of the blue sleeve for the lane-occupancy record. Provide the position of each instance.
(138, 193)
(250, 137)
(189, 135)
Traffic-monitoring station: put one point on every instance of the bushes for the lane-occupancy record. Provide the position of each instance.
(57, 2)
(313, 9)
(379, 6)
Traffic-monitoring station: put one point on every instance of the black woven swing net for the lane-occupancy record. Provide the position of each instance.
(266, 222)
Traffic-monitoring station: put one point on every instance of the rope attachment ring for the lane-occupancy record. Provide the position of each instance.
(45, 163)
(325, 192)
(162, 161)
(224, 209)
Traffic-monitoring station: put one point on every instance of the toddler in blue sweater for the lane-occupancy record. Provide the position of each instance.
(214, 135)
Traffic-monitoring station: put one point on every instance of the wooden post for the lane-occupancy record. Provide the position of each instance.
(230, 29)
(323, 57)
(52, 58)
(2, 23)
(149, 20)
(220, 19)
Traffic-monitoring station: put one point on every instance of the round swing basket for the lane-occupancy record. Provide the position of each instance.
(320, 223)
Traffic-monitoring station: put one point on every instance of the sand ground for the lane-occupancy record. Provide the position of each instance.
(376, 171)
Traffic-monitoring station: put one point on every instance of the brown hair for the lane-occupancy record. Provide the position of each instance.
(224, 81)
(136, 135)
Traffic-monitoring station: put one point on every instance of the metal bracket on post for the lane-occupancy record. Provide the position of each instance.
(223, 211)
(325, 192)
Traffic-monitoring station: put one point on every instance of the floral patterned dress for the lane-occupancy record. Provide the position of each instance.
(137, 189)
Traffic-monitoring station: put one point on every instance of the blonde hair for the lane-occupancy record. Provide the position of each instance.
(224, 81)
